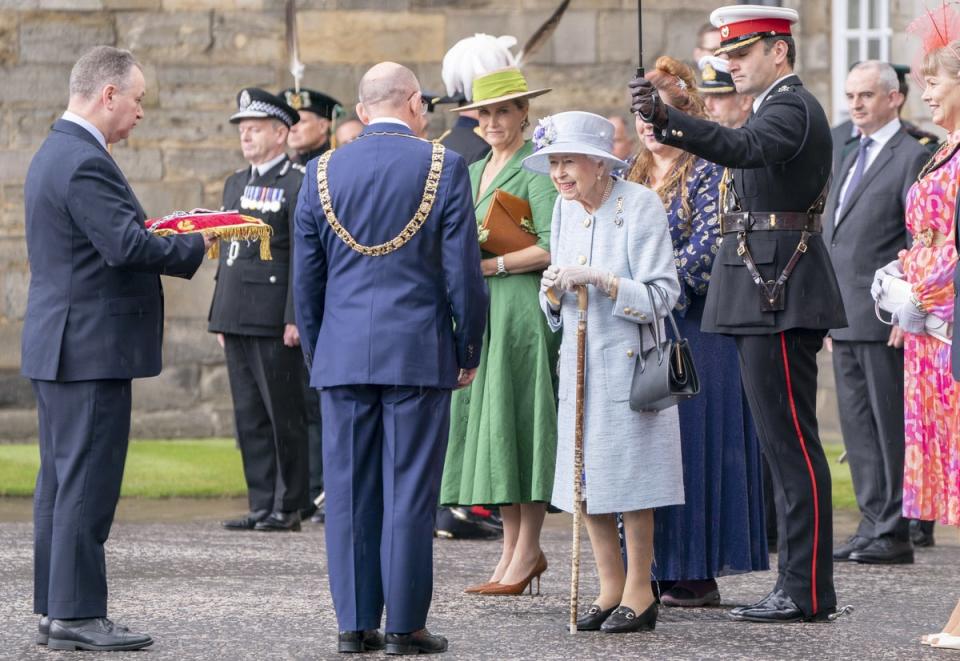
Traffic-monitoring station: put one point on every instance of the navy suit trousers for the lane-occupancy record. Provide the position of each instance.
(383, 451)
(84, 433)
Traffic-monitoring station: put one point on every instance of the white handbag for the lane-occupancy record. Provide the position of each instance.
(894, 292)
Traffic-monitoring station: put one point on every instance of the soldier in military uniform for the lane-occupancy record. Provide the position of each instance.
(310, 137)
(252, 313)
(773, 286)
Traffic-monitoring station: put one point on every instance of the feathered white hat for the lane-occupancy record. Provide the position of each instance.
(473, 57)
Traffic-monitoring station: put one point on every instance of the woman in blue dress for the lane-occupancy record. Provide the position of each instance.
(720, 530)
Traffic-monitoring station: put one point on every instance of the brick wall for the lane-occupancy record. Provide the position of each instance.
(198, 53)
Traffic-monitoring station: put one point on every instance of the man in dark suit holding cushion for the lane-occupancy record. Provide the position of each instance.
(94, 321)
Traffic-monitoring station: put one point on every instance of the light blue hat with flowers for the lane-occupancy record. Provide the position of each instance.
(572, 132)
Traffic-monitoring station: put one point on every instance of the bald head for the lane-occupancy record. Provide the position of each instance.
(387, 87)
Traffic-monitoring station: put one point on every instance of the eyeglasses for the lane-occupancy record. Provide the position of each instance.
(424, 106)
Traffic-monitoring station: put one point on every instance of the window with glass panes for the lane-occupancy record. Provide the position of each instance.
(861, 31)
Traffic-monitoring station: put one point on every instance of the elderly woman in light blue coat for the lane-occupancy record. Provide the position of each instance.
(612, 236)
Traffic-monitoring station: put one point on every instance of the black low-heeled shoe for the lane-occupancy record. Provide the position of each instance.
(594, 618)
(625, 620)
(370, 640)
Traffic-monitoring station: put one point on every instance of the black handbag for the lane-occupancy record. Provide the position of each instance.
(664, 373)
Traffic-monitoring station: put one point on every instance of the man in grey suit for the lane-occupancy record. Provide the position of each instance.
(864, 228)
(94, 321)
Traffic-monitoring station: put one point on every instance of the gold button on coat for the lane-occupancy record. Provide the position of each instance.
(629, 353)
(581, 259)
(628, 310)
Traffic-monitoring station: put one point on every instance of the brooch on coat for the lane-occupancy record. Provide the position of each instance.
(618, 216)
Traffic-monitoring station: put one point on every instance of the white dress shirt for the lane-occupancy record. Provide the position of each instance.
(880, 138)
(389, 120)
(91, 129)
(264, 168)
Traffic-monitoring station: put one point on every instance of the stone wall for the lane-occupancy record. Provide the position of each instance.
(198, 53)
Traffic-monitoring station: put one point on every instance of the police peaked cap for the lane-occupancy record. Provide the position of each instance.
(316, 102)
(255, 103)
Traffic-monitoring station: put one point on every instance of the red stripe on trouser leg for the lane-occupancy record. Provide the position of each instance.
(813, 481)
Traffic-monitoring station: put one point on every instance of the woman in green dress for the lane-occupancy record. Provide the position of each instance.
(503, 428)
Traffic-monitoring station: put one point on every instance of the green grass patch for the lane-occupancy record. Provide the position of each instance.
(843, 495)
(212, 468)
(155, 469)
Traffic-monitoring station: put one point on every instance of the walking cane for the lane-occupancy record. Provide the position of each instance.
(578, 454)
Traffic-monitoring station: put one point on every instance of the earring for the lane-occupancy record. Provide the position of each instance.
(525, 124)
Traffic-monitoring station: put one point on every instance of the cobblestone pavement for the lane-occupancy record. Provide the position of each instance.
(204, 593)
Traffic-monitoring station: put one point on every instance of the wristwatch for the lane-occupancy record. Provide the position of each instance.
(501, 269)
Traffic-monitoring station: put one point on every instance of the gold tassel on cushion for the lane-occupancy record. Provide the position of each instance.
(251, 229)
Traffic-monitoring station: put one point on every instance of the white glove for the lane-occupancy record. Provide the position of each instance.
(550, 287)
(891, 270)
(571, 276)
(910, 318)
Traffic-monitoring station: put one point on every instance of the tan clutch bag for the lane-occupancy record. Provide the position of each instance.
(508, 225)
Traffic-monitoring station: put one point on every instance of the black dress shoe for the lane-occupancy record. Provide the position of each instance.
(95, 634)
(43, 630)
(625, 620)
(778, 607)
(885, 551)
(855, 543)
(418, 642)
(247, 522)
(370, 640)
(594, 618)
(921, 533)
(280, 522)
(307, 512)
(738, 609)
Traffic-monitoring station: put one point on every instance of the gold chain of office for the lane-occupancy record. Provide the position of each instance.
(411, 228)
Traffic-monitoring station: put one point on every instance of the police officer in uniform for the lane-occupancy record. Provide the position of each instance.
(772, 285)
(310, 137)
(252, 312)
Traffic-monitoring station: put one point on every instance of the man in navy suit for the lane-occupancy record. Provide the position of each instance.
(94, 321)
(391, 306)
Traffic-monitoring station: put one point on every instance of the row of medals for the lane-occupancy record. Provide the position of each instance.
(259, 198)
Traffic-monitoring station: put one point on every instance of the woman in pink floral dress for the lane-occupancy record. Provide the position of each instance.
(931, 484)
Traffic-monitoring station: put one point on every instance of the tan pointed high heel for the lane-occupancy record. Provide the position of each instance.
(480, 587)
(505, 589)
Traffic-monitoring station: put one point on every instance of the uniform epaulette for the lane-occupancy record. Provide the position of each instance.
(785, 88)
(299, 168)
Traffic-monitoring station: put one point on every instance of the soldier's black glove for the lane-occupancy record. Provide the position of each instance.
(647, 102)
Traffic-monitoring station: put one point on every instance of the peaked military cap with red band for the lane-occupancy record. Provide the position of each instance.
(743, 25)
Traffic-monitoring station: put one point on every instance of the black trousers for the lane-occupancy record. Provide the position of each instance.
(84, 433)
(311, 400)
(869, 378)
(780, 379)
(266, 381)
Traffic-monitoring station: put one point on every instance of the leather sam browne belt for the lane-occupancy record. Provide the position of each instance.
(772, 292)
(752, 221)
